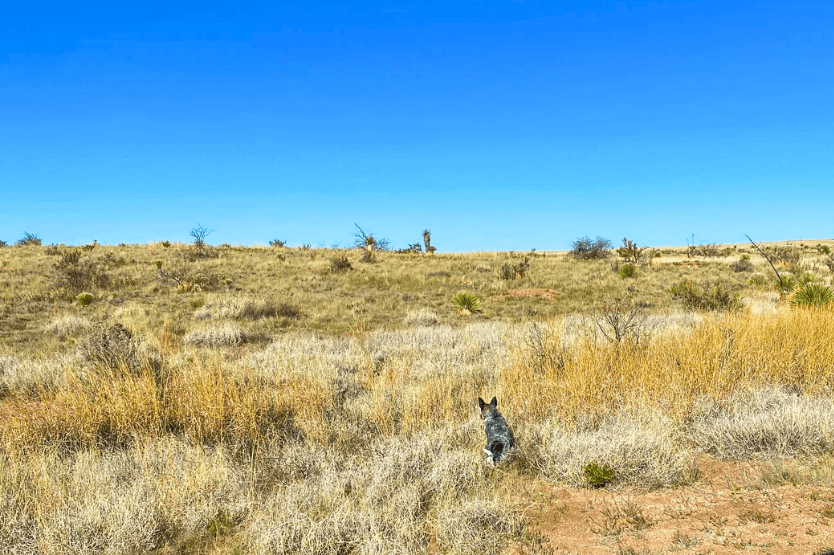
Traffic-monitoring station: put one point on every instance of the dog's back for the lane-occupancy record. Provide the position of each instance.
(498, 434)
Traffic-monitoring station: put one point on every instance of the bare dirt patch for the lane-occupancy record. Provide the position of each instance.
(731, 508)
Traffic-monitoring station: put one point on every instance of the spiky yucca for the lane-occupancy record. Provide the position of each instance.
(812, 294)
(467, 303)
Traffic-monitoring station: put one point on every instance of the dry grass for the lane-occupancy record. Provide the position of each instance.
(299, 410)
(718, 356)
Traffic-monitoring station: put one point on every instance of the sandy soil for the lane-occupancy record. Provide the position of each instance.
(728, 509)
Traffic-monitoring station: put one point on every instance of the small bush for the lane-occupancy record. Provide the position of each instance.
(29, 240)
(514, 271)
(277, 243)
(84, 298)
(812, 294)
(598, 476)
(586, 248)
(467, 303)
(166, 244)
(74, 273)
(742, 265)
(3, 244)
(115, 348)
(716, 297)
(413, 248)
(784, 254)
(369, 241)
(340, 264)
(633, 254)
(709, 250)
(628, 271)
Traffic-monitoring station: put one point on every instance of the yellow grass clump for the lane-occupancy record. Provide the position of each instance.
(722, 354)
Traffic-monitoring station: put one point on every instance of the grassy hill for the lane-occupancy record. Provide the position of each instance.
(163, 398)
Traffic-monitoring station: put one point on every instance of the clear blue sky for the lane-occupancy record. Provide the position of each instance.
(497, 125)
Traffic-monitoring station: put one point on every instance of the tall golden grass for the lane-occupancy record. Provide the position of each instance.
(721, 355)
(208, 401)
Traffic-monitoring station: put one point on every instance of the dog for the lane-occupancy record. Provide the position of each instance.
(499, 437)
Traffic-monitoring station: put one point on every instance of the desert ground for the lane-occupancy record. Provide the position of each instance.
(187, 398)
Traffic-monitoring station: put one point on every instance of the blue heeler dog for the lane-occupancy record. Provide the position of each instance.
(499, 437)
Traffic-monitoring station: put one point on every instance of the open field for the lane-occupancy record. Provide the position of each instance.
(159, 399)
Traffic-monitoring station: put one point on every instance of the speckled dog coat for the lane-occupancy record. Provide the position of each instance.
(498, 434)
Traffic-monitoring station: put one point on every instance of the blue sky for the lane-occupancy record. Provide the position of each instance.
(497, 125)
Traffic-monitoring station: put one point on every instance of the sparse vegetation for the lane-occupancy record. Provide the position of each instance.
(586, 248)
(29, 240)
(706, 297)
(339, 264)
(225, 413)
(633, 254)
(514, 271)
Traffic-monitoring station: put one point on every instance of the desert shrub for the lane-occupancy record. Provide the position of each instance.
(633, 254)
(339, 264)
(84, 298)
(114, 348)
(715, 297)
(708, 250)
(467, 303)
(277, 243)
(75, 273)
(3, 244)
(29, 240)
(784, 254)
(586, 248)
(742, 265)
(829, 261)
(628, 271)
(166, 244)
(223, 333)
(514, 271)
(598, 476)
(621, 320)
(812, 294)
(369, 241)
(189, 278)
(413, 248)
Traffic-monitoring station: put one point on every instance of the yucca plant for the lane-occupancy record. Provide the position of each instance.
(812, 294)
(467, 303)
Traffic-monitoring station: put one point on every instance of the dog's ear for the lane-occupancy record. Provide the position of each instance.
(481, 403)
(494, 402)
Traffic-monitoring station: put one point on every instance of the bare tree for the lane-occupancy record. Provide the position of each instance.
(199, 235)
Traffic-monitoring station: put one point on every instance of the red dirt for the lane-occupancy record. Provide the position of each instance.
(729, 509)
